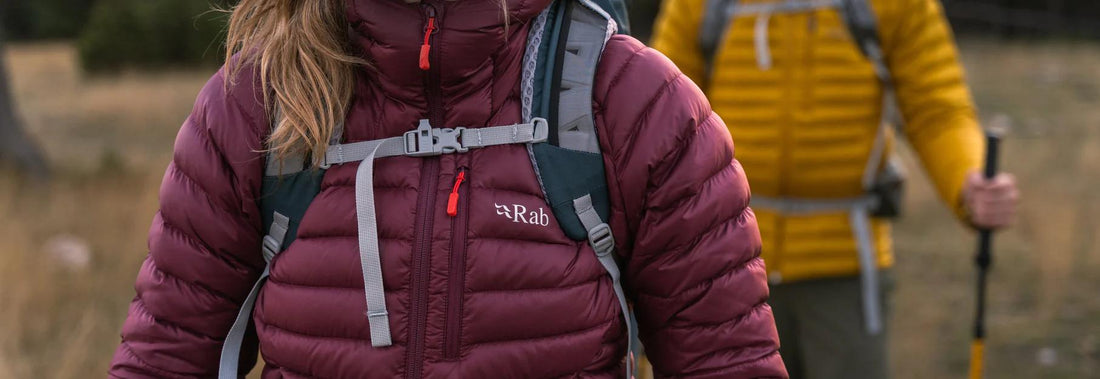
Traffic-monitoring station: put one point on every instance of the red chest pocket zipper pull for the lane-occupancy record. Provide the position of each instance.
(426, 48)
(452, 201)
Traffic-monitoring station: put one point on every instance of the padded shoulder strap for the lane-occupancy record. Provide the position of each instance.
(293, 163)
(584, 41)
(863, 25)
(716, 19)
(564, 48)
(563, 52)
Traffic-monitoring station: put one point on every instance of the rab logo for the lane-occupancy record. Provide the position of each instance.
(518, 213)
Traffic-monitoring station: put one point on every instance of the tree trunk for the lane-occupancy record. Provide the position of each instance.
(16, 147)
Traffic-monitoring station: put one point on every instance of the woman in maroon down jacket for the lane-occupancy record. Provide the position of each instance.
(515, 300)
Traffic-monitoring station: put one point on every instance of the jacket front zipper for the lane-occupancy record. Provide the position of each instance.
(458, 205)
(425, 209)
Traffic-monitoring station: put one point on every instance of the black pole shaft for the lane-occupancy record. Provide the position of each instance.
(984, 259)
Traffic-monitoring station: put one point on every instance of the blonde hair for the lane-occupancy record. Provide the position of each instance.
(302, 52)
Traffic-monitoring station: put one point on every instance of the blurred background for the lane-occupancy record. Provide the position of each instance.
(92, 93)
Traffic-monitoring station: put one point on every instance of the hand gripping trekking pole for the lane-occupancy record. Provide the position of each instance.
(983, 260)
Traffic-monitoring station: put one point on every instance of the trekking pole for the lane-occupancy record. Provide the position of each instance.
(984, 260)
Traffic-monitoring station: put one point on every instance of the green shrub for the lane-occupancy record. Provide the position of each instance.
(43, 19)
(151, 34)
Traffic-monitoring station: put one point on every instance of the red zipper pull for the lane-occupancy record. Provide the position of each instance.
(452, 201)
(426, 48)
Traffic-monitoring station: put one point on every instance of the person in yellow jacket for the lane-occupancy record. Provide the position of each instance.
(804, 104)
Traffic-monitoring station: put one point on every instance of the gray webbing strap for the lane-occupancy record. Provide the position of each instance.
(861, 22)
(378, 318)
(763, 13)
(891, 114)
(738, 9)
(760, 40)
(868, 270)
(359, 151)
(859, 213)
(231, 349)
(426, 141)
(801, 207)
(602, 241)
(422, 142)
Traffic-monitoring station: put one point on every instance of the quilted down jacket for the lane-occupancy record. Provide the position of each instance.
(805, 126)
(478, 295)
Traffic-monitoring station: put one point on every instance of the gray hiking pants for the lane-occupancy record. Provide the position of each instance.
(821, 329)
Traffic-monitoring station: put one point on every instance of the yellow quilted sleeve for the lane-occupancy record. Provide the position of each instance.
(935, 101)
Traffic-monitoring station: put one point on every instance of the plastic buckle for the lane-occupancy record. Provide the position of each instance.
(447, 141)
(419, 142)
(426, 141)
(601, 239)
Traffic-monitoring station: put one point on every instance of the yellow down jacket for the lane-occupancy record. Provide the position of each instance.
(804, 126)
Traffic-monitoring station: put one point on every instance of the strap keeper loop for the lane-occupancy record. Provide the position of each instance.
(270, 248)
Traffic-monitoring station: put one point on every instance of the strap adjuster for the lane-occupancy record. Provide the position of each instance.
(270, 248)
(601, 239)
(541, 130)
(426, 141)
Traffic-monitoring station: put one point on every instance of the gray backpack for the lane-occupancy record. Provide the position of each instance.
(564, 46)
(882, 187)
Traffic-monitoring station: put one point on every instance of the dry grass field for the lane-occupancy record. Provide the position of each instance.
(109, 140)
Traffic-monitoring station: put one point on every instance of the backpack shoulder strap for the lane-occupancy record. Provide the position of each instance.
(564, 48)
(289, 187)
(863, 25)
(617, 10)
(716, 20)
(563, 52)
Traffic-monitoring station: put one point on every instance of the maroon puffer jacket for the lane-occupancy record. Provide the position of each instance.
(473, 296)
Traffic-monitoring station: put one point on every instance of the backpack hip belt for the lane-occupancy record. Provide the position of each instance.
(859, 214)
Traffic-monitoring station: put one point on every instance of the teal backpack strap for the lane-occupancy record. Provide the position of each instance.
(863, 26)
(288, 188)
(618, 12)
(564, 47)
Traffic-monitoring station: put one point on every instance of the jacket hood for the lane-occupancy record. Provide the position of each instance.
(470, 33)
